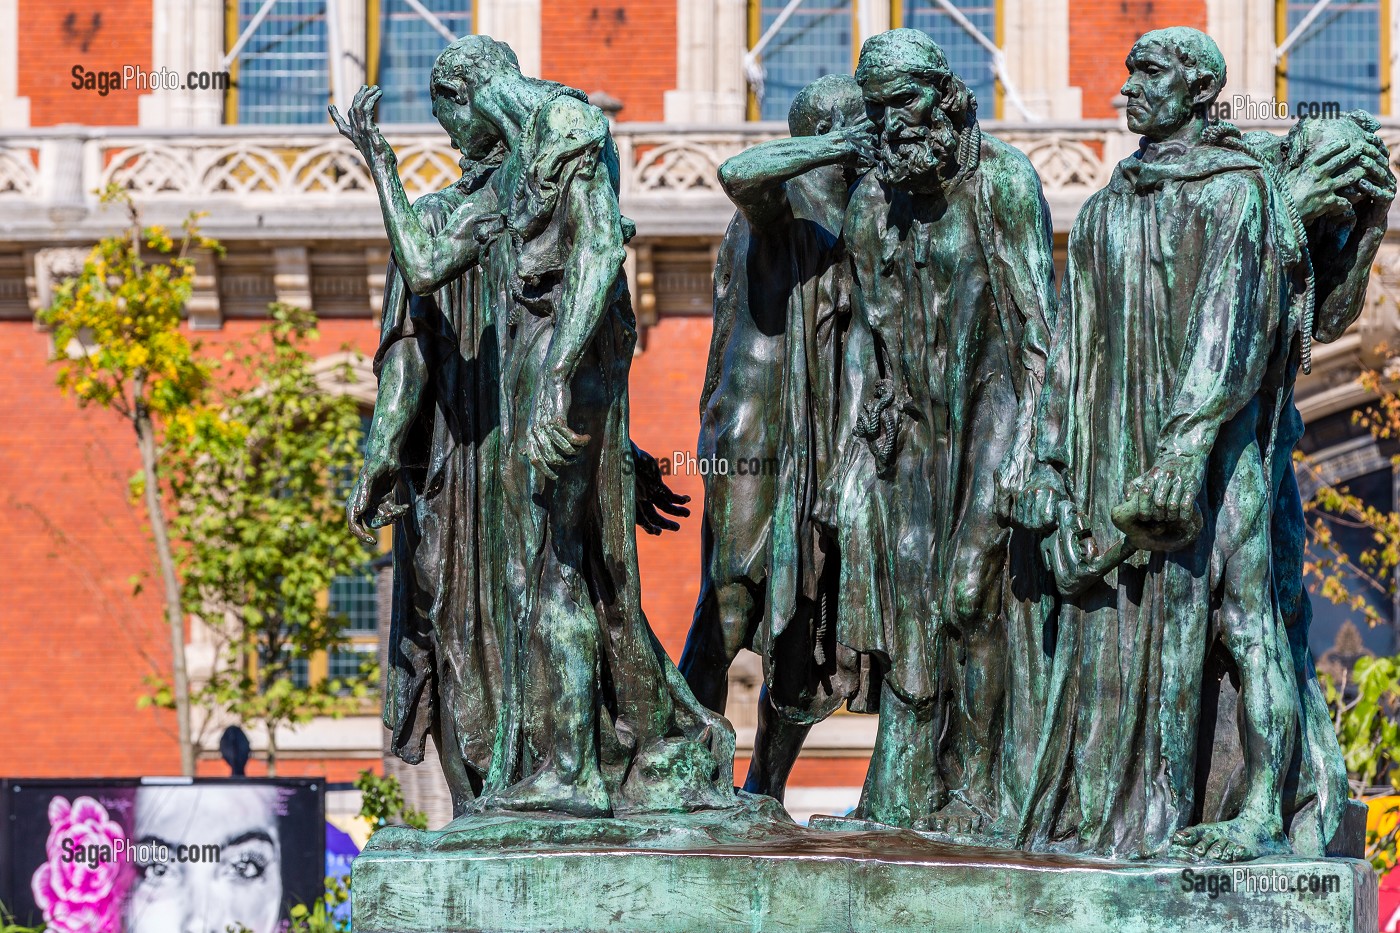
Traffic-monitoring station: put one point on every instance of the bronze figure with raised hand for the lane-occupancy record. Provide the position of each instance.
(499, 448)
(771, 399)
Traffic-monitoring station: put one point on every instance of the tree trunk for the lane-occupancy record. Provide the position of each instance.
(272, 750)
(175, 616)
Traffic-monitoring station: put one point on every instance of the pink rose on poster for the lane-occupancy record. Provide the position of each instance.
(81, 896)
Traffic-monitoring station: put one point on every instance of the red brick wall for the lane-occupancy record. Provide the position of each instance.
(75, 644)
(100, 35)
(666, 382)
(624, 47)
(1102, 32)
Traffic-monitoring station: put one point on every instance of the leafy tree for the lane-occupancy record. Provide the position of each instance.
(257, 491)
(382, 803)
(1364, 703)
(1365, 699)
(118, 345)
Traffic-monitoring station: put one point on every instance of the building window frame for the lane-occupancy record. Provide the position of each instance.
(1384, 72)
(898, 15)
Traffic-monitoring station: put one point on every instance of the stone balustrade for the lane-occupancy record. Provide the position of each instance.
(279, 190)
(279, 183)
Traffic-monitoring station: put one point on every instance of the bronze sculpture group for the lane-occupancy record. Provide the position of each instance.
(1054, 541)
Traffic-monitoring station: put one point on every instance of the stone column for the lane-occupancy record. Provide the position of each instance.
(203, 306)
(61, 160)
(291, 275)
(711, 39)
(14, 110)
(376, 277)
(354, 45)
(1244, 30)
(872, 18)
(186, 35)
(1035, 40)
(517, 24)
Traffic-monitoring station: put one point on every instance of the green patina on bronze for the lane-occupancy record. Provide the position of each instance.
(499, 448)
(950, 243)
(1183, 712)
(778, 368)
(884, 882)
(1056, 544)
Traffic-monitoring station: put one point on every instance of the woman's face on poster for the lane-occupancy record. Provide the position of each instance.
(206, 893)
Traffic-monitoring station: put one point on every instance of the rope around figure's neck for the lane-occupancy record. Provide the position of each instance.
(1228, 136)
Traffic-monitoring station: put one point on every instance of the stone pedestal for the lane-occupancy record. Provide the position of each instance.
(843, 882)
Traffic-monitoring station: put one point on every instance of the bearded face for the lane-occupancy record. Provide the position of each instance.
(918, 140)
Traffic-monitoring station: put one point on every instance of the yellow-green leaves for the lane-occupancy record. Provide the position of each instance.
(116, 326)
(256, 478)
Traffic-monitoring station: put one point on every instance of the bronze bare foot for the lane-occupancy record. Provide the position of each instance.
(1238, 840)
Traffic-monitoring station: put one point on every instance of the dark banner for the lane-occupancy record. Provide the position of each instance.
(132, 856)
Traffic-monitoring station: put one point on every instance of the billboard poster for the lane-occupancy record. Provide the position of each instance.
(154, 856)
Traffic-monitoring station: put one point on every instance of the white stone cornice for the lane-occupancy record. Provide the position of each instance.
(14, 110)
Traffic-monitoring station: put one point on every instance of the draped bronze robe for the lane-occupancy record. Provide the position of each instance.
(1178, 331)
(476, 552)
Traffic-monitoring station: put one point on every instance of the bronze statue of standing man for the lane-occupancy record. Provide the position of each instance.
(1164, 440)
(768, 415)
(950, 242)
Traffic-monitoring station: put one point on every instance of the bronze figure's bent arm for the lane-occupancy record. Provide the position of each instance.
(755, 178)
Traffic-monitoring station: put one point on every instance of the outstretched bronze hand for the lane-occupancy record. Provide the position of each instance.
(654, 496)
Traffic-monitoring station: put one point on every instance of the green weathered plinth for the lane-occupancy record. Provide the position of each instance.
(812, 882)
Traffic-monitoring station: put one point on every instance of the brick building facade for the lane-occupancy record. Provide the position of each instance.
(75, 643)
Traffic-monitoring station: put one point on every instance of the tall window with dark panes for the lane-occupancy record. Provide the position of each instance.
(820, 37)
(1337, 58)
(969, 58)
(355, 599)
(817, 39)
(408, 46)
(283, 74)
